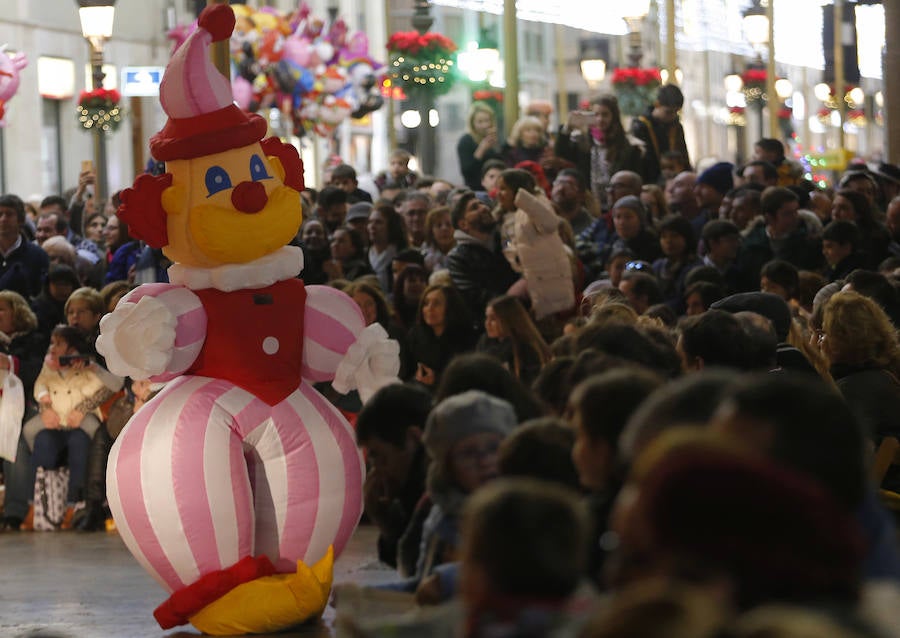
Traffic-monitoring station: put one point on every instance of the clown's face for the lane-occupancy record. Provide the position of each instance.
(228, 208)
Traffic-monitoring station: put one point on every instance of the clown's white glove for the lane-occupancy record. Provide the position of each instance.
(137, 339)
(372, 362)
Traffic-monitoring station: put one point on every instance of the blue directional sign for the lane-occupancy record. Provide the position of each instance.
(141, 80)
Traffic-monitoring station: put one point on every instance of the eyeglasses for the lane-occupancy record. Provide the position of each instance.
(639, 266)
(471, 456)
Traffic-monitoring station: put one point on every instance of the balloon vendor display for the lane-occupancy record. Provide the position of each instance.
(316, 77)
(238, 483)
(10, 66)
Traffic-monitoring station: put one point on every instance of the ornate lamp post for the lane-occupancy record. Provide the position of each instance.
(593, 64)
(422, 21)
(634, 16)
(96, 26)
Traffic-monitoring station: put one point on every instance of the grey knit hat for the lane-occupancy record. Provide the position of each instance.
(459, 416)
(634, 203)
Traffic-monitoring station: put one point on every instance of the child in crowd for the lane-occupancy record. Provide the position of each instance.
(490, 173)
(679, 248)
(398, 174)
(69, 393)
(600, 407)
(672, 163)
(522, 560)
(462, 436)
(344, 177)
(840, 245)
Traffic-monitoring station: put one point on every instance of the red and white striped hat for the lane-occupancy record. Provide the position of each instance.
(203, 118)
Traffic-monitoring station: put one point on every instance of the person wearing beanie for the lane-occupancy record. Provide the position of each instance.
(462, 436)
(710, 189)
(242, 483)
(632, 231)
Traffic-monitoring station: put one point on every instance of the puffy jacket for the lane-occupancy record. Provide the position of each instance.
(542, 255)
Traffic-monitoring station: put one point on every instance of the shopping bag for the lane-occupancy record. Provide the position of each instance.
(12, 410)
(50, 490)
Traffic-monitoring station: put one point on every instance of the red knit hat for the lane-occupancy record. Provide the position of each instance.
(203, 118)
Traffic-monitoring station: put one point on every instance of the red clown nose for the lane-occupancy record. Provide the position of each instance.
(249, 197)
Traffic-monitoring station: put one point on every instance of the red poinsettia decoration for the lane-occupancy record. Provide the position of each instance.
(737, 110)
(754, 77)
(481, 96)
(414, 43)
(637, 77)
(99, 98)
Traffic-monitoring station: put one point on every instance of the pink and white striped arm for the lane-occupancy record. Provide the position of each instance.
(332, 322)
(155, 332)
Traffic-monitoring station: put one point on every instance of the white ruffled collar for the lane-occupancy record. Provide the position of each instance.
(285, 263)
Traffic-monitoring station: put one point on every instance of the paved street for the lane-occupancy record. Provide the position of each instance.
(88, 586)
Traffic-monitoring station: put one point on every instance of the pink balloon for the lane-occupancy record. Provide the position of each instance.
(242, 91)
(298, 51)
(10, 65)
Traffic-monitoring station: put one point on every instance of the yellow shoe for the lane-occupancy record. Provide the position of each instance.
(270, 603)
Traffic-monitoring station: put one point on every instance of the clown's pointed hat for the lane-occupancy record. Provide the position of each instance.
(203, 118)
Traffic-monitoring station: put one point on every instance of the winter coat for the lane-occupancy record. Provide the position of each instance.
(479, 271)
(542, 255)
(70, 390)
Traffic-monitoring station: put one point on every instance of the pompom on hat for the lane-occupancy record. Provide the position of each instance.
(203, 118)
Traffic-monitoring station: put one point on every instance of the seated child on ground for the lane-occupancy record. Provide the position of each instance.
(69, 393)
(523, 557)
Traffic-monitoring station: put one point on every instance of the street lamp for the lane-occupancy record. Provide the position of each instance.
(756, 27)
(593, 64)
(96, 18)
(757, 24)
(634, 14)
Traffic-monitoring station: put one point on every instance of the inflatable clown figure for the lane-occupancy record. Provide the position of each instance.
(238, 483)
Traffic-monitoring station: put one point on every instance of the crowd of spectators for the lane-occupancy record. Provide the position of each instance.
(620, 375)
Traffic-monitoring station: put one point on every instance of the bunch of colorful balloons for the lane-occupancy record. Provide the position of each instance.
(316, 76)
(10, 65)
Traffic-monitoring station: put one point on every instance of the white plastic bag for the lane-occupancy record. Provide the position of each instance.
(12, 409)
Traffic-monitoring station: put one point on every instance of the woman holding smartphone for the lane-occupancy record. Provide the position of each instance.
(479, 145)
(596, 142)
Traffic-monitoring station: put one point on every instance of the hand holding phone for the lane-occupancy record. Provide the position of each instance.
(581, 119)
(67, 360)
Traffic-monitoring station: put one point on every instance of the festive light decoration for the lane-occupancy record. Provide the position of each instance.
(829, 99)
(635, 88)
(754, 85)
(737, 116)
(421, 61)
(100, 109)
(857, 117)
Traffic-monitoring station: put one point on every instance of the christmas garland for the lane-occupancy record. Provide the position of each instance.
(99, 109)
(421, 61)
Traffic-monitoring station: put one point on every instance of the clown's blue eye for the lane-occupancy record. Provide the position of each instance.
(217, 180)
(258, 169)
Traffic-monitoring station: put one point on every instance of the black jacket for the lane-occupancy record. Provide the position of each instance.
(798, 248)
(436, 351)
(479, 273)
(29, 350)
(24, 269)
(658, 138)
